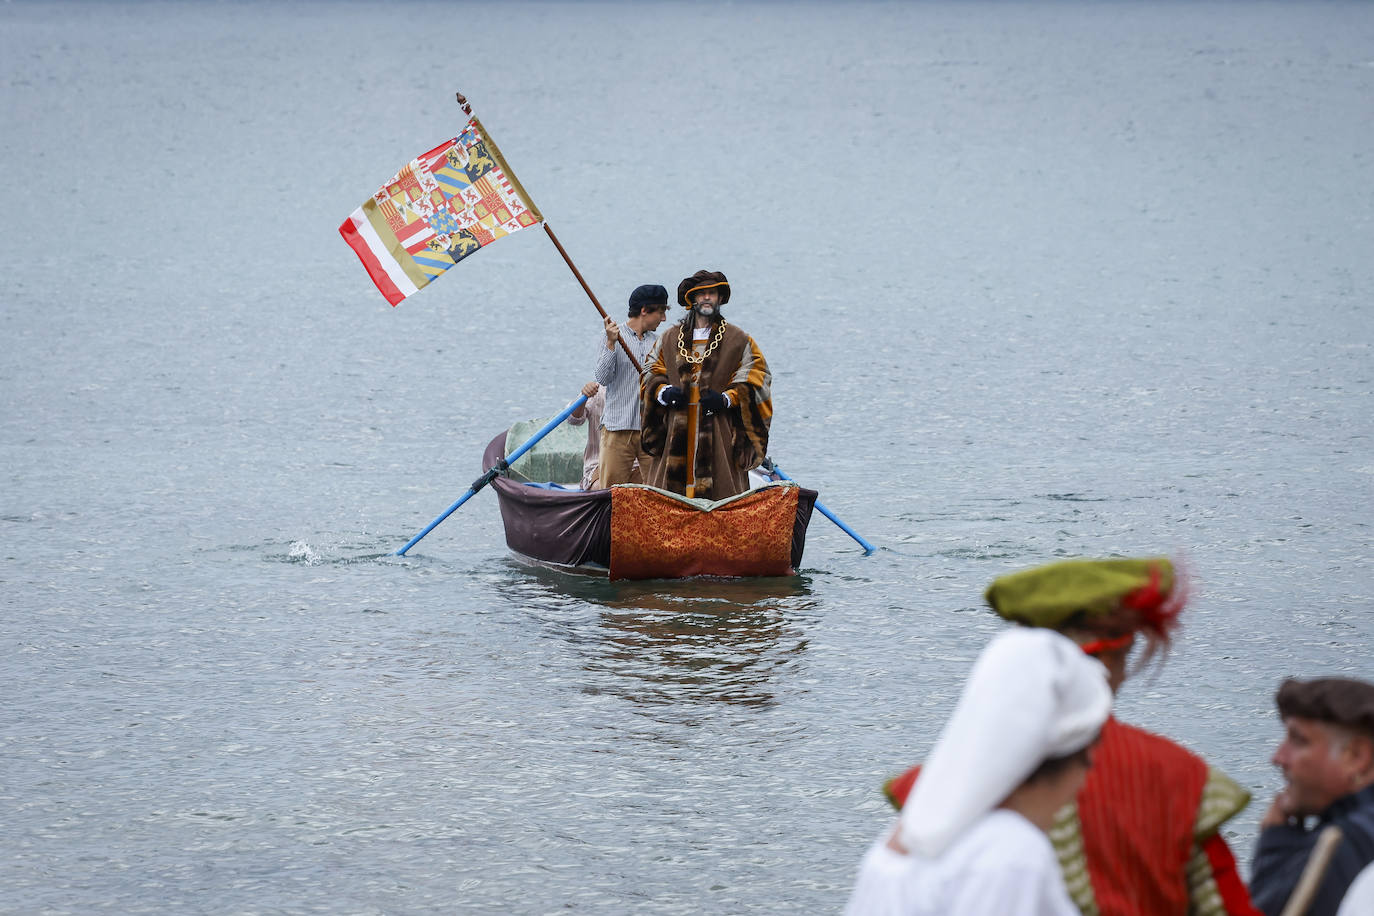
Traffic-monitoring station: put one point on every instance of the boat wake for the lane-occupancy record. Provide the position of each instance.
(301, 552)
(304, 553)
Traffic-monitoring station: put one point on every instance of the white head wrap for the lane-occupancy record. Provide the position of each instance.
(1032, 695)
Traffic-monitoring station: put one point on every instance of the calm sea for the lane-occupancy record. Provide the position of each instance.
(1036, 280)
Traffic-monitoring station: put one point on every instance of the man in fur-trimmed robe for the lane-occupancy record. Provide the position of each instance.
(736, 399)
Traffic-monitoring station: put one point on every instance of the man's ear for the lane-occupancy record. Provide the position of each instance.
(1360, 753)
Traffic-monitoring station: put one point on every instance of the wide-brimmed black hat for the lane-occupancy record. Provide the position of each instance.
(703, 279)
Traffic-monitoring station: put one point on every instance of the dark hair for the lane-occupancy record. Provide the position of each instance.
(1337, 700)
(1053, 766)
(637, 310)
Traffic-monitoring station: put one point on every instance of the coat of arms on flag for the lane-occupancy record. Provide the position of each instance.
(443, 206)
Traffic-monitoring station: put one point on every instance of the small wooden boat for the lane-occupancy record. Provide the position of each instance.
(640, 532)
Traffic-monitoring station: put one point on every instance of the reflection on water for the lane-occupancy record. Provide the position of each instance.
(713, 640)
(669, 646)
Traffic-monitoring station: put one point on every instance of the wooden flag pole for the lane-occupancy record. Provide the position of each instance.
(467, 110)
(590, 295)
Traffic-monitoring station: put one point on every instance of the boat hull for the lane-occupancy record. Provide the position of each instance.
(574, 530)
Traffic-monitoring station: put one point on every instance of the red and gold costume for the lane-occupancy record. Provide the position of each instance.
(1143, 836)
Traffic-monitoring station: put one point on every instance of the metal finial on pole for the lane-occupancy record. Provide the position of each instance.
(463, 103)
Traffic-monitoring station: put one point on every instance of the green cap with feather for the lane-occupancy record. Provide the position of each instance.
(1047, 596)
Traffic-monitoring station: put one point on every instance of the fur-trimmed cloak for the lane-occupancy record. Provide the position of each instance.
(729, 443)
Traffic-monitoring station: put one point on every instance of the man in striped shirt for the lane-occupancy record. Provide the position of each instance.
(620, 453)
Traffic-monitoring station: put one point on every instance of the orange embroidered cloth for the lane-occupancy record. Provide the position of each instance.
(659, 535)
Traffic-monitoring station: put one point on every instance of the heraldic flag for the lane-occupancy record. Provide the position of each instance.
(442, 207)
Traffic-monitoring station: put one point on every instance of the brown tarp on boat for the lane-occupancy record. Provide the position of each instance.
(565, 527)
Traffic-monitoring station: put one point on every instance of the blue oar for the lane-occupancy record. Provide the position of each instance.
(769, 465)
(496, 469)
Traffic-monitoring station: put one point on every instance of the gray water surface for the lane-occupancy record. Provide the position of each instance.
(1035, 280)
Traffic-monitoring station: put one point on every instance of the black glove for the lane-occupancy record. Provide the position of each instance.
(672, 396)
(713, 402)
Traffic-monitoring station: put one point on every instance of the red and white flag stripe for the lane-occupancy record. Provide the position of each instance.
(381, 266)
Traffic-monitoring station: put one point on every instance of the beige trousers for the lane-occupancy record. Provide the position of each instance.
(619, 458)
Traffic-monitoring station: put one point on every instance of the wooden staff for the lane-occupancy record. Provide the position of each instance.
(467, 110)
(693, 429)
(1311, 879)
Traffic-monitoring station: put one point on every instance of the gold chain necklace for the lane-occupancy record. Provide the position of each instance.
(691, 355)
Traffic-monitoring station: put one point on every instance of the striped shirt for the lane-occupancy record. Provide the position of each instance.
(618, 377)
